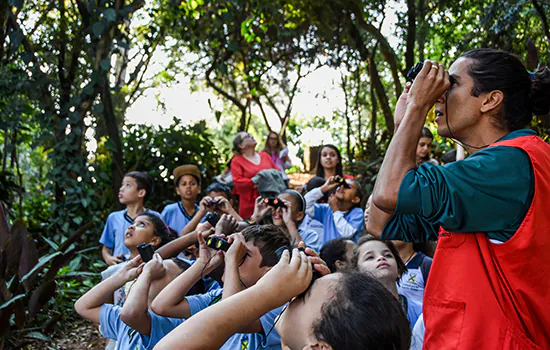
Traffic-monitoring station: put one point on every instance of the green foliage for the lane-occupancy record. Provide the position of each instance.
(158, 151)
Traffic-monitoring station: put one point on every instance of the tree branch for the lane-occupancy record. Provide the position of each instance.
(543, 18)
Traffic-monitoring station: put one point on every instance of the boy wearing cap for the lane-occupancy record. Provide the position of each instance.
(187, 179)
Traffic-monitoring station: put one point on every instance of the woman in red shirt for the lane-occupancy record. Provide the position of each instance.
(245, 165)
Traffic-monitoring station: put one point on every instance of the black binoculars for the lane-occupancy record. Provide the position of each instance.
(146, 251)
(341, 181)
(218, 243)
(212, 218)
(279, 254)
(274, 202)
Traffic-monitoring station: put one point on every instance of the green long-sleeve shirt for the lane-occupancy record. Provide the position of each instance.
(490, 191)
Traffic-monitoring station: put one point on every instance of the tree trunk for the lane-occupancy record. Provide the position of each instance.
(381, 94)
(373, 152)
(411, 33)
(422, 32)
(112, 127)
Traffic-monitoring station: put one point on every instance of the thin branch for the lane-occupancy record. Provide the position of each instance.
(543, 18)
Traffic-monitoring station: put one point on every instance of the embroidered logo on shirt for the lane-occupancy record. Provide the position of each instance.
(412, 278)
(244, 343)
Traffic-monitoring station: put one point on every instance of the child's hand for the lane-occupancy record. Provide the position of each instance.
(132, 269)
(237, 252)
(319, 264)
(260, 209)
(204, 205)
(276, 281)
(208, 257)
(155, 268)
(286, 211)
(334, 202)
(224, 205)
(114, 259)
(329, 185)
(227, 225)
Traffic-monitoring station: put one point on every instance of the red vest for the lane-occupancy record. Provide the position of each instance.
(482, 295)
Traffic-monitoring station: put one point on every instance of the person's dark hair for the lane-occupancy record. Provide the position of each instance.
(333, 251)
(160, 229)
(198, 288)
(401, 268)
(268, 238)
(524, 95)
(427, 133)
(360, 192)
(363, 314)
(339, 168)
(144, 182)
(299, 198)
(280, 144)
(316, 182)
(219, 188)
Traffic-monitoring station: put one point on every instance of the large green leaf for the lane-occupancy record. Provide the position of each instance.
(43, 261)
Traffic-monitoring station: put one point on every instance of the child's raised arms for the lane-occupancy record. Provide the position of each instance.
(213, 326)
(89, 305)
(171, 300)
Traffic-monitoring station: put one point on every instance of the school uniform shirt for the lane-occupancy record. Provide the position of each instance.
(490, 191)
(412, 282)
(239, 341)
(210, 284)
(175, 216)
(309, 223)
(112, 327)
(411, 308)
(311, 239)
(336, 224)
(115, 227)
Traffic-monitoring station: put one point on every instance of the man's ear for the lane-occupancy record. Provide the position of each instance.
(318, 346)
(492, 102)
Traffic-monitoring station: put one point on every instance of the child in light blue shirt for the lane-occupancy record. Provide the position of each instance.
(341, 216)
(136, 188)
(251, 254)
(133, 326)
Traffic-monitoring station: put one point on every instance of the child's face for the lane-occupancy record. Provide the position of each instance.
(128, 192)
(141, 231)
(249, 270)
(348, 194)
(329, 158)
(188, 188)
(296, 324)
(295, 215)
(377, 259)
(367, 210)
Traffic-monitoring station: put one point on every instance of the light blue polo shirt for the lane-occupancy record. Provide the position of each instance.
(324, 214)
(112, 327)
(175, 216)
(311, 238)
(115, 227)
(239, 341)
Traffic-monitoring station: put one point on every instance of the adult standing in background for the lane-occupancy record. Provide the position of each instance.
(278, 151)
(488, 285)
(245, 165)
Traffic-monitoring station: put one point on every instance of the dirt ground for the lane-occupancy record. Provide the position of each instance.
(82, 335)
